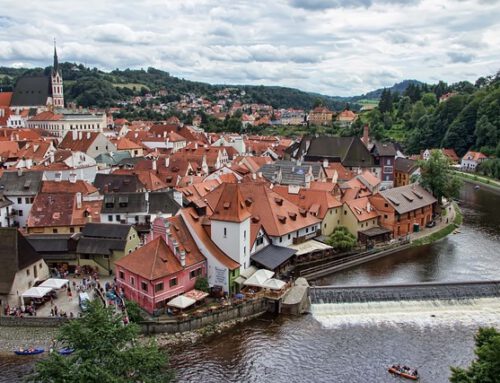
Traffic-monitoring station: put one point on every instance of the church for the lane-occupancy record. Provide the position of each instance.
(41, 92)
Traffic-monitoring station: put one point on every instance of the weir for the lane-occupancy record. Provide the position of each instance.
(405, 292)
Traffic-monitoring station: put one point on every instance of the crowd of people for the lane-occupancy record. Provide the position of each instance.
(20, 311)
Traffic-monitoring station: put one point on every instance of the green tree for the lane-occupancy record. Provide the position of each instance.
(429, 99)
(105, 351)
(341, 239)
(438, 177)
(134, 312)
(385, 103)
(486, 367)
(201, 284)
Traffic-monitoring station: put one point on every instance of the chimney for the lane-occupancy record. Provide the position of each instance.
(80, 135)
(78, 200)
(368, 207)
(366, 131)
(325, 163)
(52, 157)
(154, 165)
(182, 255)
(167, 162)
(74, 135)
(88, 135)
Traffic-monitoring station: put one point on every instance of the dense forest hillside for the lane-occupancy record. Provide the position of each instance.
(93, 87)
(461, 116)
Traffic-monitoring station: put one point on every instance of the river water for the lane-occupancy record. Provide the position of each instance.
(355, 342)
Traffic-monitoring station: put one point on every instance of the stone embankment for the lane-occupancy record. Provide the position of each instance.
(12, 338)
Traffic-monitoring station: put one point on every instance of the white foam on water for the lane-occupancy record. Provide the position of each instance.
(481, 311)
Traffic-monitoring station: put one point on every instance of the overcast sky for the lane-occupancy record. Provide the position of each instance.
(334, 47)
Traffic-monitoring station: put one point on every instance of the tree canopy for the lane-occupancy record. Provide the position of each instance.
(438, 177)
(341, 239)
(106, 350)
(486, 367)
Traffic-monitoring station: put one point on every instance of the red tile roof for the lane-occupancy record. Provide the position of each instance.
(5, 98)
(152, 261)
(68, 187)
(230, 206)
(82, 143)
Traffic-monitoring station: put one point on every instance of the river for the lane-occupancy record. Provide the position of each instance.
(354, 343)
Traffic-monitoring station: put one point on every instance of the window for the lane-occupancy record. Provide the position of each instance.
(71, 229)
(260, 240)
(144, 286)
(118, 218)
(289, 235)
(388, 161)
(244, 250)
(173, 282)
(28, 272)
(386, 205)
(244, 234)
(19, 200)
(55, 231)
(20, 213)
(159, 287)
(195, 273)
(388, 170)
(27, 200)
(385, 216)
(110, 218)
(40, 265)
(132, 281)
(225, 232)
(345, 212)
(307, 230)
(281, 239)
(121, 275)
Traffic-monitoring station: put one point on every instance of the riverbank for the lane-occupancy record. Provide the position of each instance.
(445, 231)
(488, 183)
(14, 337)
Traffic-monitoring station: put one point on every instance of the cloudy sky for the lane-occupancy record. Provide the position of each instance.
(335, 47)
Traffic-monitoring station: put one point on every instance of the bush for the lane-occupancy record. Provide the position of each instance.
(134, 311)
(341, 239)
(201, 284)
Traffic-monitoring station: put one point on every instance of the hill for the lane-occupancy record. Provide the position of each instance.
(93, 87)
(399, 87)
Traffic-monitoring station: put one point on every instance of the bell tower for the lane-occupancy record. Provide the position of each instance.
(57, 83)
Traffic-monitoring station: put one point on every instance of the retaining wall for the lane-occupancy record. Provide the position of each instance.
(29, 321)
(247, 309)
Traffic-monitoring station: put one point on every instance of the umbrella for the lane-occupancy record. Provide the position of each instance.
(274, 284)
(197, 295)
(181, 302)
(36, 292)
(54, 283)
(258, 278)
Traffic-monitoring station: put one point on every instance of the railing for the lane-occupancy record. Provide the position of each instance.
(314, 234)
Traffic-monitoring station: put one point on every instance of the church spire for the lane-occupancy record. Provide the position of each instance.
(55, 68)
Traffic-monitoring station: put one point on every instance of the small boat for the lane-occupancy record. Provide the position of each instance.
(30, 351)
(66, 351)
(400, 372)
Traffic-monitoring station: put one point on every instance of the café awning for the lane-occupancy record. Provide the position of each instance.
(309, 247)
(181, 302)
(274, 284)
(36, 292)
(258, 278)
(54, 283)
(197, 295)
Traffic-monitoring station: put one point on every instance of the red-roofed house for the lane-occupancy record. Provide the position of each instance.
(160, 270)
(471, 160)
(90, 143)
(320, 116)
(346, 118)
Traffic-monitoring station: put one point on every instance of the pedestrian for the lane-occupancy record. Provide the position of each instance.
(55, 310)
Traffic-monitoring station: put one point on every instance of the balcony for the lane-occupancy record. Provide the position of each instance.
(306, 237)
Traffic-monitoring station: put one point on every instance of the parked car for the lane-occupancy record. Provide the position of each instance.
(431, 224)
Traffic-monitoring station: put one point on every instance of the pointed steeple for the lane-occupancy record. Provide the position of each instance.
(55, 68)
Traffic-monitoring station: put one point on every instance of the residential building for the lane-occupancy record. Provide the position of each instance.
(404, 170)
(384, 154)
(293, 173)
(20, 187)
(91, 143)
(62, 213)
(320, 116)
(403, 209)
(471, 160)
(61, 122)
(20, 267)
(102, 245)
(345, 118)
(359, 215)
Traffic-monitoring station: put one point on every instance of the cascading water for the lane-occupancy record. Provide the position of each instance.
(480, 312)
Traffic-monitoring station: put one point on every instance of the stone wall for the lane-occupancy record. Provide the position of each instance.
(29, 321)
(244, 310)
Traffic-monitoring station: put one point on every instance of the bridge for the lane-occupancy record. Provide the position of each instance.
(398, 292)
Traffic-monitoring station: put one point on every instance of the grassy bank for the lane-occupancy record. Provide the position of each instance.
(444, 231)
(480, 180)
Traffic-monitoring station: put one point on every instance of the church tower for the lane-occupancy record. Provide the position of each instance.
(57, 83)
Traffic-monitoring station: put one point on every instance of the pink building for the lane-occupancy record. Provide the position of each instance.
(165, 267)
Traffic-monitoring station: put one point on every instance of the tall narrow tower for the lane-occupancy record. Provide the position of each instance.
(57, 83)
